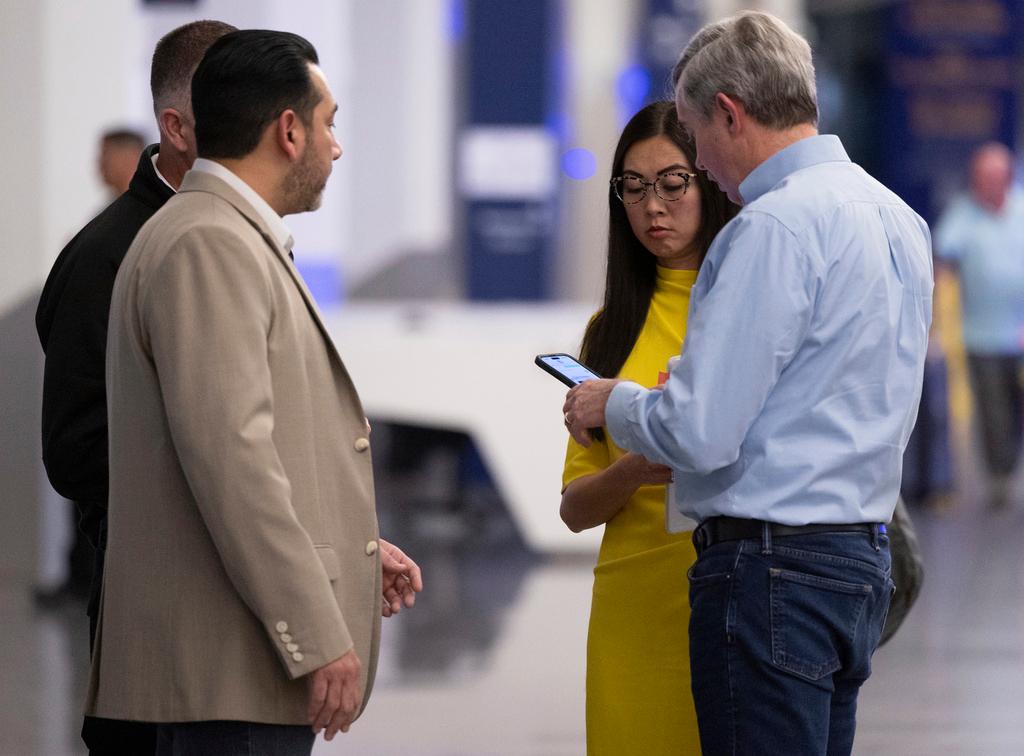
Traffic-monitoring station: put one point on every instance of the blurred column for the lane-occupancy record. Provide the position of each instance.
(600, 43)
(399, 111)
(507, 148)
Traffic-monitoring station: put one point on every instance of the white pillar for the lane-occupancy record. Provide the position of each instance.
(401, 103)
(599, 36)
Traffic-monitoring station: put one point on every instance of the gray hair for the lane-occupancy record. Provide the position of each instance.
(755, 58)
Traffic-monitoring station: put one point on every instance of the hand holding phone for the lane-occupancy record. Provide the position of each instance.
(571, 372)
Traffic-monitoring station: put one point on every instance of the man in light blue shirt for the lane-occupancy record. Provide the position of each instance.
(786, 417)
(981, 236)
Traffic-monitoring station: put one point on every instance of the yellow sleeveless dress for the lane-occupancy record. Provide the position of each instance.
(638, 655)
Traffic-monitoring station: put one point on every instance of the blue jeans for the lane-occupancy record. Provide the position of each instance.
(781, 636)
(229, 738)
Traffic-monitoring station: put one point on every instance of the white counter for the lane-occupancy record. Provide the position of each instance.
(469, 367)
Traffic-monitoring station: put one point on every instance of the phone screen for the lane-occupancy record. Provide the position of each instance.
(570, 368)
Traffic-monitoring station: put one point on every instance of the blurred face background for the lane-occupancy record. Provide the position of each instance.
(991, 175)
(117, 162)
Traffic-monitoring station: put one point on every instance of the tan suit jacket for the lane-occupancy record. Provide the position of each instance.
(242, 545)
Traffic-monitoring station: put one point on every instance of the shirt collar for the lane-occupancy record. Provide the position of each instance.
(267, 214)
(159, 175)
(824, 148)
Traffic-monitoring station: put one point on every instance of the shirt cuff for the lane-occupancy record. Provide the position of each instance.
(620, 403)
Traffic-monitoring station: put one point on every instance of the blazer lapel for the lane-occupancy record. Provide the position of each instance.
(197, 181)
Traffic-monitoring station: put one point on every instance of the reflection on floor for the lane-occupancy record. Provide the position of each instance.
(491, 660)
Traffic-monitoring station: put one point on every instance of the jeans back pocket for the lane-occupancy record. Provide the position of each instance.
(813, 621)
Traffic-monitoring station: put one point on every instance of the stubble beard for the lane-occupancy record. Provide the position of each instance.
(304, 185)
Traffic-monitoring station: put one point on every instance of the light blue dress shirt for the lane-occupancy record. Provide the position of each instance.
(800, 376)
(988, 249)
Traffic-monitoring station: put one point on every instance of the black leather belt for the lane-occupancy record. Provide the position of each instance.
(716, 529)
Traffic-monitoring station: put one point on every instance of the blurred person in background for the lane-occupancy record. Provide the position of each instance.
(785, 418)
(245, 578)
(980, 238)
(663, 215)
(119, 157)
(118, 160)
(72, 323)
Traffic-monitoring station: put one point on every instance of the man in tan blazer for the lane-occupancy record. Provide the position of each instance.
(245, 576)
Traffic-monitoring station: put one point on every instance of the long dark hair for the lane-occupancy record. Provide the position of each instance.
(632, 269)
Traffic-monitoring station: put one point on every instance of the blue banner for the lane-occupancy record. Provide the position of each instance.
(508, 146)
(950, 86)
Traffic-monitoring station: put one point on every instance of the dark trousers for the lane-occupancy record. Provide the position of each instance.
(781, 636)
(111, 737)
(995, 381)
(226, 738)
(928, 460)
(116, 737)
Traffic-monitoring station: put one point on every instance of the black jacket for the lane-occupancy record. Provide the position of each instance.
(72, 323)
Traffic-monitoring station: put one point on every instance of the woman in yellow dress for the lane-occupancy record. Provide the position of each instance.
(664, 213)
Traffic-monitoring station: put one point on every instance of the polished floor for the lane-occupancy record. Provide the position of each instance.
(490, 661)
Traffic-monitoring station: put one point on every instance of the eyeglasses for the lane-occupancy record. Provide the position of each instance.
(669, 187)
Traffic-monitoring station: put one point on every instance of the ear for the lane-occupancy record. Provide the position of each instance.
(732, 111)
(290, 134)
(173, 125)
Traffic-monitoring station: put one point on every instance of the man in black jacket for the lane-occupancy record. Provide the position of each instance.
(72, 323)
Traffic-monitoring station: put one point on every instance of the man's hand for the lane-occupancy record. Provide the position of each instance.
(335, 693)
(584, 407)
(402, 579)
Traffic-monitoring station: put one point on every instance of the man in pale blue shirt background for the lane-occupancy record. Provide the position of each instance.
(786, 417)
(981, 236)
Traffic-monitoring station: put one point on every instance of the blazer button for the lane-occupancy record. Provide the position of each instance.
(281, 627)
(371, 548)
(297, 656)
(361, 444)
(286, 638)
(292, 647)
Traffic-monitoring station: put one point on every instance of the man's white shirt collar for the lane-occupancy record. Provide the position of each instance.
(267, 214)
(159, 175)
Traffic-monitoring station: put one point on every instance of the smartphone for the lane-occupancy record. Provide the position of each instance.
(565, 368)
(571, 372)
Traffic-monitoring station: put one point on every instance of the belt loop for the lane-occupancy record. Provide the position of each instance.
(766, 538)
(874, 536)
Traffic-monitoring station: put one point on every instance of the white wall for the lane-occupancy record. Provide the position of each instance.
(64, 69)
(400, 137)
(63, 80)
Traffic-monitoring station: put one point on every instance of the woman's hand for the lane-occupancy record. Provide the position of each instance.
(595, 499)
(644, 472)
